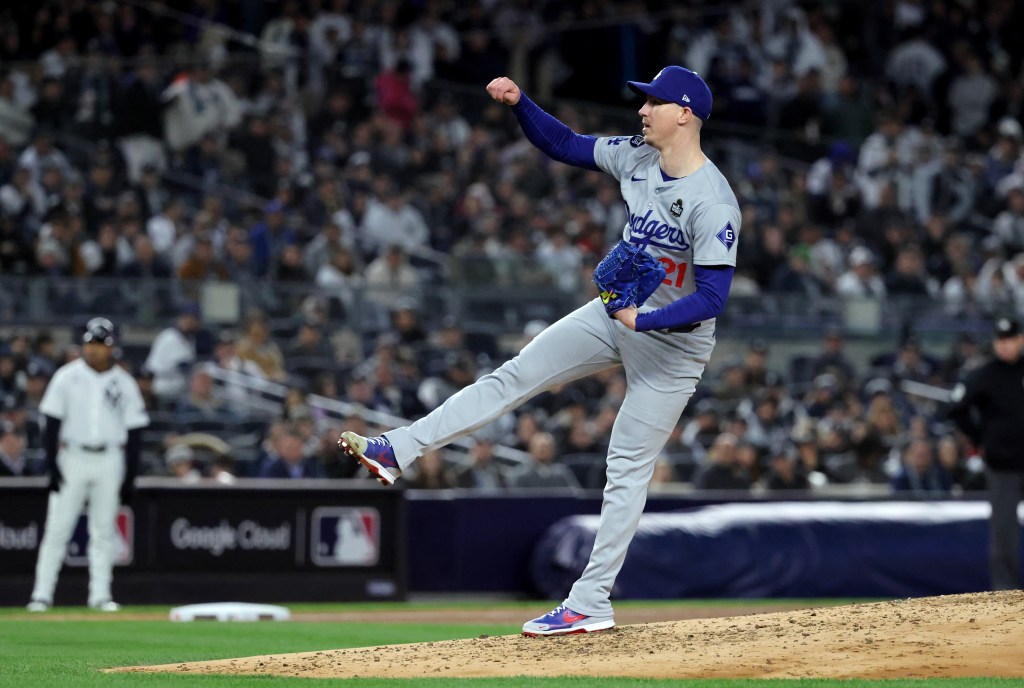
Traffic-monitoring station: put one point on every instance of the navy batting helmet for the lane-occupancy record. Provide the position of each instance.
(100, 331)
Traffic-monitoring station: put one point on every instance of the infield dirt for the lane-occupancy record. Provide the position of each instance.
(951, 636)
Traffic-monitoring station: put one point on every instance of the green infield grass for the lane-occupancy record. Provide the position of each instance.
(69, 649)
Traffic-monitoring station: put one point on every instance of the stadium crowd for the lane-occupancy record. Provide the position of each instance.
(350, 152)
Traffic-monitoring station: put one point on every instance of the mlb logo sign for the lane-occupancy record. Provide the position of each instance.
(124, 537)
(345, 536)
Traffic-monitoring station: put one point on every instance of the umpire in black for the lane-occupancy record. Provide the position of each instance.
(989, 408)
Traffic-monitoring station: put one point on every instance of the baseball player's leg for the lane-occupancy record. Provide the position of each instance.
(62, 512)
(104, 500)
(579, 344)
(1004, 488)
(660, 383)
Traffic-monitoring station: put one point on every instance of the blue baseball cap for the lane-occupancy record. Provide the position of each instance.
(678, 85)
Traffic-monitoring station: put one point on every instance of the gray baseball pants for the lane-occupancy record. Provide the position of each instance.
(662, 371)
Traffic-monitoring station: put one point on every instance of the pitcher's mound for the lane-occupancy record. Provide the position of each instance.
(952, 636)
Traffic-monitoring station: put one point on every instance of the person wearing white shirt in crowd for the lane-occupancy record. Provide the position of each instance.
(162, 228)
(861, 280)
(172, 354)
(390, 219)
(561, 259)
(915, 62)
(197, 104)
(93, 438)
(389, 276)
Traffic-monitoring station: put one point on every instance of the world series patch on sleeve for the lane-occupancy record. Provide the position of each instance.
(627, 276)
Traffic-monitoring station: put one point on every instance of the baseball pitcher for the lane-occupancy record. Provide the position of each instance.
(661, 289)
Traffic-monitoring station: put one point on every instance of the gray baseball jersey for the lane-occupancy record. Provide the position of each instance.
(683, 222)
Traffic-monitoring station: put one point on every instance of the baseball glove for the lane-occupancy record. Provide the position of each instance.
(627, 276)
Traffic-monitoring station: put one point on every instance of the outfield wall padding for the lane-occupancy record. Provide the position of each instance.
(784, 549)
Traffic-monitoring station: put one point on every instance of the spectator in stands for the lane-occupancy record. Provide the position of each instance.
(663, 477)
(459, 372)
(269, 236)
(405, 323)
(542, 471)
(765, 426)
(339, 278)
(731, 387)
(833, 361)
(181, 463)
(705, 427)
(145, 380)
(196, 104)
(784, 470)
(911, 363)
(165, 227)
(311, 346)
(146, 263)
(13, 462)
(919, 474)
(861, 280)
(202, 407)
(392, 222)
(337, 235)
(967, 473)
(755, 366)
(172, 354)
(908, 277)
(222, 469)
(721, 470)
(433, 474)
(823, 395)
(288, 458)
(1009, 224)
(794, 276)
(257, 347)
(395, 98)
(964, 356)
(238, 261)
(971, 95)
(8, 369)
(390, 276)
(202, 263)
(483, 472)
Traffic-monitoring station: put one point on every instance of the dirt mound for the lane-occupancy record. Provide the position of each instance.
(951, 636)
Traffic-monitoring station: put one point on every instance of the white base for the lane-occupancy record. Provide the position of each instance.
(230, 611)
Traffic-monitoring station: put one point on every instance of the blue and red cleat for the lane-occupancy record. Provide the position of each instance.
(563, 621)
(375, 453)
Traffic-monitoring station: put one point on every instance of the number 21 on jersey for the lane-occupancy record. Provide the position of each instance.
(673, 267)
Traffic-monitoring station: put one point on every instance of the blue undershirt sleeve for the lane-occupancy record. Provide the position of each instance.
(713, 283)
(556, 140)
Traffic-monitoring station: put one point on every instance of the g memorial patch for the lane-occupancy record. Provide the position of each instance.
(636, 141)
(727, 235)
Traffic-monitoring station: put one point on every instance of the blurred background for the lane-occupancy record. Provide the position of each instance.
(308, 216)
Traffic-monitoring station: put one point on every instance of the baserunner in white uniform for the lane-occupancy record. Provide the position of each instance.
(683, 212)
(94, 416)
